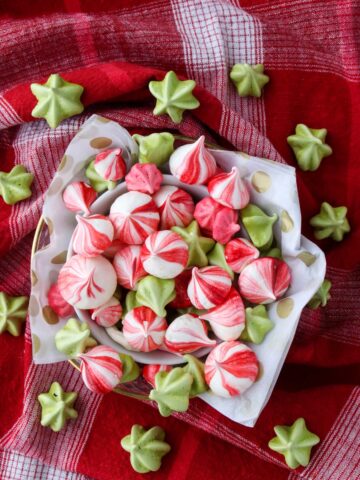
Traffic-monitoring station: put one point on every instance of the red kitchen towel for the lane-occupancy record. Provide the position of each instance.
(311, 52)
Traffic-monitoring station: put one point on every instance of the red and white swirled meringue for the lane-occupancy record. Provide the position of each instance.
(115, 246)
(149, 372)
(186, 334)
(229, 189)
(182, 299)
(134, 216)
(78, 196)
(264, 280)
(193, 164)
(101, 369)
(205, 214)
(225, 225)
(164, 254)
(110, 164)
(231, 368)
(108, 314)
(144, 177)
(239, 252)
(208, 287)
(58, 303)
(176, 207)
(87, 282)
(227, 320)
(92, 235)
(143, 329)
(128, 266)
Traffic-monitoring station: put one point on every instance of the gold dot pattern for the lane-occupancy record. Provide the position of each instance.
(55, 186)
(36, 344)
(261, 181)
(59, 259)
(307, 257)
(49, 315)
(33, 306)
(100, 142)
(286, 222)
(285, 307)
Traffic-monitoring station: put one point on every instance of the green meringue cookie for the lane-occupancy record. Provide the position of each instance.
(130, 369)
(196, 368)
(96, 181)
(57, 407)
(15, 185)
(257, 325)
(294, 442)
(309, 147)
(217, 257)
(322, 296)
(146, 448)
(155, 148)
(74, 338)
(330, 222)
(57, 100)
(198, 246)
(248, 79)
(274, 252)
(173, 96)
(172, 390)
(13, 311)
(155, 293)
(258, 225)
(130, 303)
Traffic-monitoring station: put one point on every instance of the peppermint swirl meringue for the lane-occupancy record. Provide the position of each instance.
(93, 235)
(128, 266)
(229, 189)
(193, 164)
(149, 372)
(186, 334)
(108, 314)
(208, 287)
(144, 177)
(78, 196)
(143, 329)
(134, 216)
(87, 283)
(239, 252)
(231, 368)
(110, 164)
(176, 207)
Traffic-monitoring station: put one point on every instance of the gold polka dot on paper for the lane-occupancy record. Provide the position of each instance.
(63, 163)
(59, 259)
(307, 257)
(34, 278)
(50, 225)
(34, 308)
(260, 372)
(286, 221)
(49, 315)
(36, 344)
(55, 187)
(261, 181)
(100, 142)
(285, 307)
(103, 119)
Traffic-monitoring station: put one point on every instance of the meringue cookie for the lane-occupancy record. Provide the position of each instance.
(239, 252)
(128, 266)
(144, 177)
(110, 165)
(107, 314)
(93, 235)
(149, 372)
(258, 225)
(134, 216)
(229, 189)
(193, 163)
(143, 329)
(78, 196)
(208, 286)
(186, 334)
(155, 148)
(87, 282)
(155, 293)
(176, 207)
(58, 303)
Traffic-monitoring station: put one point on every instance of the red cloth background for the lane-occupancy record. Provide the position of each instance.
(311, 52)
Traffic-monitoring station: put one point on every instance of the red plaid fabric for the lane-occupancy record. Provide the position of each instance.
(311, 52)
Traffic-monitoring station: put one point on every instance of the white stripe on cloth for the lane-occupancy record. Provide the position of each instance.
(339, 453)
(14, 466)
(29, 438)
(8, 116)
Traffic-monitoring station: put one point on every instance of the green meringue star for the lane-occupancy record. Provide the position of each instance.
(57, 100)
(173, 96)
(274, 252)
(155, 148)
(258, 225)
(15, 185)
(198, 246)
(98, 183)
(257, 325)
(74, 338)
(309, 147)
(130, 303)
(248, 79)
(217, 257)
(57, 407)
(195, 367)
(13, 311)
(155, 293)
(146, 448)
(130, 369)
(172, 390)
(330, 222)
(322, 296)
(294, 442)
